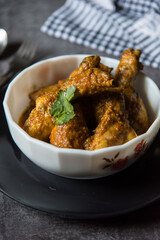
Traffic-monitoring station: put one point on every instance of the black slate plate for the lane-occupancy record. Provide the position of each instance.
(133, 188)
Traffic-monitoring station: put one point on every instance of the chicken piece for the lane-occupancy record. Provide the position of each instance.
(126, 72)
(71, 134)
(94, 106)
(91, 62)
(51, 90)
(113, 129)
(87, 63)
(103, 101)
(128, 68)
(105, 68)
(91, 81)
(90, 78)
(40, 122)
(46, 90)
(137, 113)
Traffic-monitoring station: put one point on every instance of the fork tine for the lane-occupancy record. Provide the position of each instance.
(31, 50)
(21, 48)
(25, 49)
(24, 55)
(28, 50)
(22, 58)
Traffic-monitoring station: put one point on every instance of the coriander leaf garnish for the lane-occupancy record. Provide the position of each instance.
(64, 118)
(70, 93)
(67, 106)
(62, 109)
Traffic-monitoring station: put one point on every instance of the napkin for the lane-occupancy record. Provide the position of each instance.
(110, 26)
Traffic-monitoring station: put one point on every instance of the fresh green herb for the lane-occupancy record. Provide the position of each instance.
(64, 118)
(62, 109)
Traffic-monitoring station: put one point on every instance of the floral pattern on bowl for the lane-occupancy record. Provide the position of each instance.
(140, 148)
(117, 163)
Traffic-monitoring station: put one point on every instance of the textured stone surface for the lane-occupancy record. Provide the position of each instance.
(22, 19)
(20, 222)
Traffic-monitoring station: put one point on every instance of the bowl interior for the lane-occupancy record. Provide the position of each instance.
(49, 71)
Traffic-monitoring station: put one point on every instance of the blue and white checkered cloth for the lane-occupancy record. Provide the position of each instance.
(110, 26)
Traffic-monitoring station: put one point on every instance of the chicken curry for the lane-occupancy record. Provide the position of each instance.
(90, 109)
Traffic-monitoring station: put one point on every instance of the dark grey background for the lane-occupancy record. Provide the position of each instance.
(22, 20)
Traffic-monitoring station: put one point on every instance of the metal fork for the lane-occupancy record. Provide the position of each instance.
(22, 58)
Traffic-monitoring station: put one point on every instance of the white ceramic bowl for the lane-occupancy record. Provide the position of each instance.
(73, 162)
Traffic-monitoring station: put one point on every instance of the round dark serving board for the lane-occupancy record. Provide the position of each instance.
(133, 188)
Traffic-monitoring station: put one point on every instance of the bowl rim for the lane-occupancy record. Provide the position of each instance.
(154, 125)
